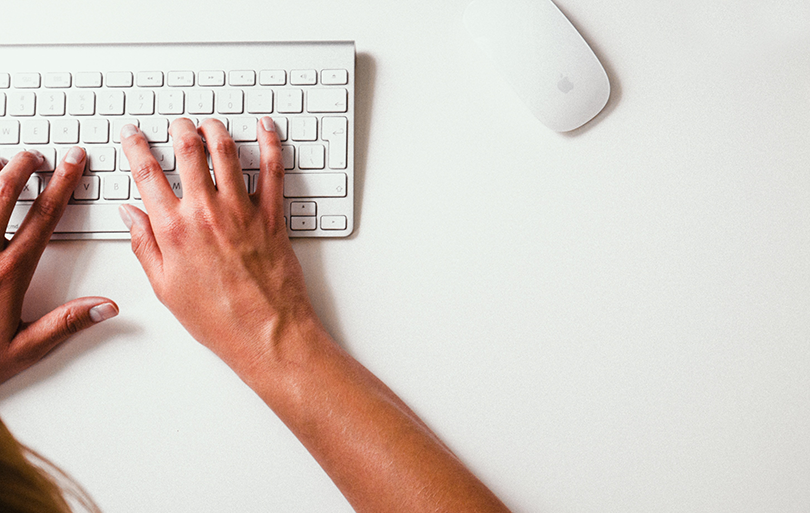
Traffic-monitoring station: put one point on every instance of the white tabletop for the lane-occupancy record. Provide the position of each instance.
(612, 320)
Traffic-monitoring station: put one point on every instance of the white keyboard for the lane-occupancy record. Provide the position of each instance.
(53, 97)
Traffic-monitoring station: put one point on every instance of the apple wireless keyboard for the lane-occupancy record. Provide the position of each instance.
(53, 97)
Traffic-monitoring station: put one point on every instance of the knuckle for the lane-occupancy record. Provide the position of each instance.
(70, 323)
(187, 144)
(144, 171)
(47, 207)
(223, 146)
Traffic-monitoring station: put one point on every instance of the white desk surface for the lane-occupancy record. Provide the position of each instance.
(610, 321)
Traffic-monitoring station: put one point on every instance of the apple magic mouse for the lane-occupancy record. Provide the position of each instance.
(543, 57)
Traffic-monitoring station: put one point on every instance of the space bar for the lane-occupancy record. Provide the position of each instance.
(99, 218)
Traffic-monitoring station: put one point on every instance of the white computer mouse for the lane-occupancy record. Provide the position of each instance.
(543, 57)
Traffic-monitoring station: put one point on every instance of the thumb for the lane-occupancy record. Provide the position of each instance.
(36, 339)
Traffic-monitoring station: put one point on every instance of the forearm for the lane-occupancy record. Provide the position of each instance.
(377, 451)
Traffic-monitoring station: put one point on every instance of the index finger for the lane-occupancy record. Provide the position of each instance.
(152, 184)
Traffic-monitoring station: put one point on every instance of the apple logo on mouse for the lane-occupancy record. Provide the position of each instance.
(565, 85)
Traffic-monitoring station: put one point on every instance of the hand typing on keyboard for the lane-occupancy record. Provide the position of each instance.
(21, 343)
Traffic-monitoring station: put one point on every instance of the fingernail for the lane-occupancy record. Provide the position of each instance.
(75, 155)
(122, 211)
(128, 130)
(268, 124)
(103, 312)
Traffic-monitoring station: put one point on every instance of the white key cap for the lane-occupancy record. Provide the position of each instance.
(314, 185)
(303, 208)
(273, 77)
(180, 79)
(57, 80)
(288, 156)
(25, 80)
(249, 156)
(175, 184)
(334, 130)
(9, 131)
(81, 103)
(303, 223)
(116, 187)
(111, 103)
(5, 80)
(201, 101)
(95, 131)
(311, 156)
(170, 102)
(213, 78)
(149, 79)
(155, 129)
(88, 188)
(230, 101)
(21, 103)
(77, 218)
(304, 128)
(100, 158)
(88, 79)
(30, 189)
(281, 128)
(35, 131)
(50, 158)
(303, 77)
(327, 100)
(141, 102)
(242, 78)
(333, 222)
(52, 103)
(244, 129)
(65, 131)
(118, 124)
(119, 79)
(334, 77)
(260, 101)
(290, 101)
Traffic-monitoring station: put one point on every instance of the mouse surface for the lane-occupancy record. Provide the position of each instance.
(543, 57)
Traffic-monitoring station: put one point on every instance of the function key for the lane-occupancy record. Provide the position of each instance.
(213, 78)
(88, 79)
(272, 77)
(149, 79)
(57, 80)
(303, 77)
(334, 77)
(180, 78)
(119, 79)
(242, 78)
(5, 80)
(25, 80)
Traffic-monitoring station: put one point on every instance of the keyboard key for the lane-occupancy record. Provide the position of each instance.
(242, 78)
(334, 77)
(175, 184)
(249, 156)
(35, 131)
(30, 189)
(333, 222)
(25, 80)
(211, 78)
(81, 103)
(156, 130)
(118, 124)
(288, 156)
(88, 188)
(88, 79)
(100, 158)
(201, 101)
(290, 101)
(335, 130)
(65, 131)
(9, 131)
(21, 103)
(116, 187)
(273, 77)
(303, 77)
(170, 102)
(311, 156)
(57, 80)
(303, 208)
(244, 129)
(111, 103)
(52, 103)
(327, 100)
(141, 102)
(303, 223)
(180, 79)
(304, 128)
(49, 164)
(119, 79)
(314, 185)
(95, 131)
(230, 101)
(5, 80)
(149, 79)
(260, 101)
